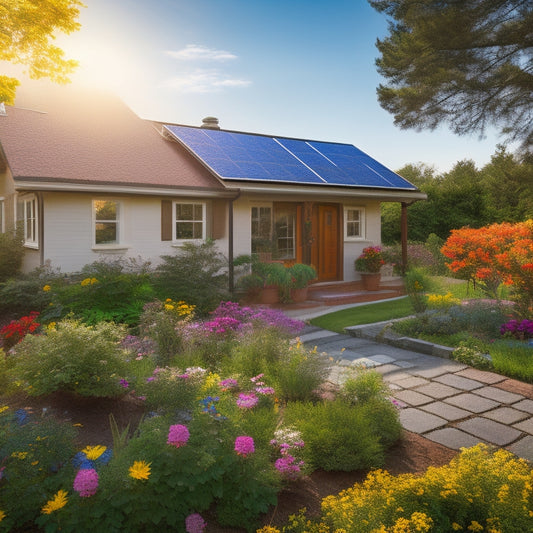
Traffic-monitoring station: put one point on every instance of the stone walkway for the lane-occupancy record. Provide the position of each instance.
(443, 400)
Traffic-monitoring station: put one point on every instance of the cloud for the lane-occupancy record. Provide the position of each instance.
(204, 81)
(194, 52)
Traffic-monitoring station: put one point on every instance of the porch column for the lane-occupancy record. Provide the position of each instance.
(404, 237)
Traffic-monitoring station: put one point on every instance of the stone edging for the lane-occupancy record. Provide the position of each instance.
(382, 332)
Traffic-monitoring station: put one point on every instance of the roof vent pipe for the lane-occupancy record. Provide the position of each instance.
(210, 123)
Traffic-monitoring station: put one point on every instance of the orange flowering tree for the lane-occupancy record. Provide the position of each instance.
(492, 255)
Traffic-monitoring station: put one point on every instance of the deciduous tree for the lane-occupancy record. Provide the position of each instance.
(27, 31)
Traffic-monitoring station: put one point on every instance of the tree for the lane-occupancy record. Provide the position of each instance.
(27, 29)
(465, 63)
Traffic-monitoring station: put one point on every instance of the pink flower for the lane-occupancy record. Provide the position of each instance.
(244, 445)
(86, 482)
(288, 466)
(194, 523)
(178, 435)
(247, 401)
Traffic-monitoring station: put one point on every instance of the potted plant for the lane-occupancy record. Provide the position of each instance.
(275, 277)
(301, 274)
(369, 264)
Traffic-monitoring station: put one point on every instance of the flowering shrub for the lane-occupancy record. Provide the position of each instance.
(518, 329)
(16, 330)
(86, 360)
(371, 260)
(442, 301)
(288, 441)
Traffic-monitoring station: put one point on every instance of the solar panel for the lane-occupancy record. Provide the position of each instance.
(245, 156)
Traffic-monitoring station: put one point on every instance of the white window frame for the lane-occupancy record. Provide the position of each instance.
(117, 221)
(175, 221)
(31, 223)
(362, 228)
(261, 206)
(2, 215)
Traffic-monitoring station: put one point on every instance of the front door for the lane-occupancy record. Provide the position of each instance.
(328, 243)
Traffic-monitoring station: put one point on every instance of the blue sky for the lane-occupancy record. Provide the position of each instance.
(291, 68)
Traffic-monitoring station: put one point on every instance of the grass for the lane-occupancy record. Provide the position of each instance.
(364, 314)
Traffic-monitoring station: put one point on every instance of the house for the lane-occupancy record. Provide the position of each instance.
(89, 179)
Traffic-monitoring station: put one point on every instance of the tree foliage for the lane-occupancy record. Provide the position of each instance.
(27, 31)
(468, 64)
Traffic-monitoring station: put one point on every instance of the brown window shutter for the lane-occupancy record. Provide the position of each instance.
(166, 220)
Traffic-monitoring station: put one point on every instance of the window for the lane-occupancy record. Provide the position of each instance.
(2, 216)
(106, 222)
(28, 214)
(285, 231)
(354, 223)
(261, 229)
(189, 221)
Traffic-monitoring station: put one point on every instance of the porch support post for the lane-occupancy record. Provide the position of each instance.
(231, 272)
(404, 237)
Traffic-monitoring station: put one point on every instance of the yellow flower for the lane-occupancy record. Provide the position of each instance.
(51, 326)
(93, 452)
(2, 515)
(4, 408)
(475, 526)
(47, 288)
(19, 455)
(58, 501)
(140, 470)
(169, 307)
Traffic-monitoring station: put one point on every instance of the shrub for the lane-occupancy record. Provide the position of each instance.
(22, 295)
(341, 438)
(11, 254)
(113, 291)
(417, 284)
(299, 372)
(73, 357)
(479, 490)
(363, 385)
(472, 355)
(197, 273)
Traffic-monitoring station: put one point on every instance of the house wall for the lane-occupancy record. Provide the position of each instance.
(351, 249)
(68, 230)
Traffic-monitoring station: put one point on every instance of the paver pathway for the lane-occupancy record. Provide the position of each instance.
(443, 400)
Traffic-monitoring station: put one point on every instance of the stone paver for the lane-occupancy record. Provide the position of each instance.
(382, 359)
(412, 397)
(437, 390)
(489, 430)
(505, 415)
(459, 382)
(313, 335)
(452, 438)
(525, 425)
(408, 382)
(447, 411)
(471, 402)
(525, 405)
(419, 421)
(364, 362)
(481, 375)
(499, 395)
(523, 448)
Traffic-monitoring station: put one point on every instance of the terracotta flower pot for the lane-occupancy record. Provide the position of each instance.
(269, 295)
(371, 280)
(299, 295)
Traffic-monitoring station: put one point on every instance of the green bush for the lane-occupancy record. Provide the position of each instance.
(113, 291)
(363, 385)
(299, 372)
(73, 357)
(20, 296)
(417, 284)
(11, 254)
(341, 438)
(197, 274)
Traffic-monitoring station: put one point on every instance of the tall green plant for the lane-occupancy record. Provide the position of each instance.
(11, 254)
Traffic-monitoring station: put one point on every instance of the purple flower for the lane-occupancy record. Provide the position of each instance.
(247, 401)
(265, 390)
(229, 383)
(288, 466)
(178, 435)
(194, 523)
(124, 383)
(86, 482)
(244, 445)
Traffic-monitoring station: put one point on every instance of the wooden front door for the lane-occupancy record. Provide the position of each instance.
(328, 243)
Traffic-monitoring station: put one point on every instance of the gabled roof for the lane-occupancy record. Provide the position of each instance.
(64, 134)
(238, 156)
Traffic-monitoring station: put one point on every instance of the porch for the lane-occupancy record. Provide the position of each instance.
(325, 295)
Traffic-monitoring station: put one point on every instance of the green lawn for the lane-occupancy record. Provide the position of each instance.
(364, 314)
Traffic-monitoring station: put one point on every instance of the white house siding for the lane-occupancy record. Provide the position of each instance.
(68, 230)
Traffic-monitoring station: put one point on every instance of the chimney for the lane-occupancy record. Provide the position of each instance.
(210, 123)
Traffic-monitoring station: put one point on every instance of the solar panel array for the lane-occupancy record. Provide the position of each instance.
(250, 157)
